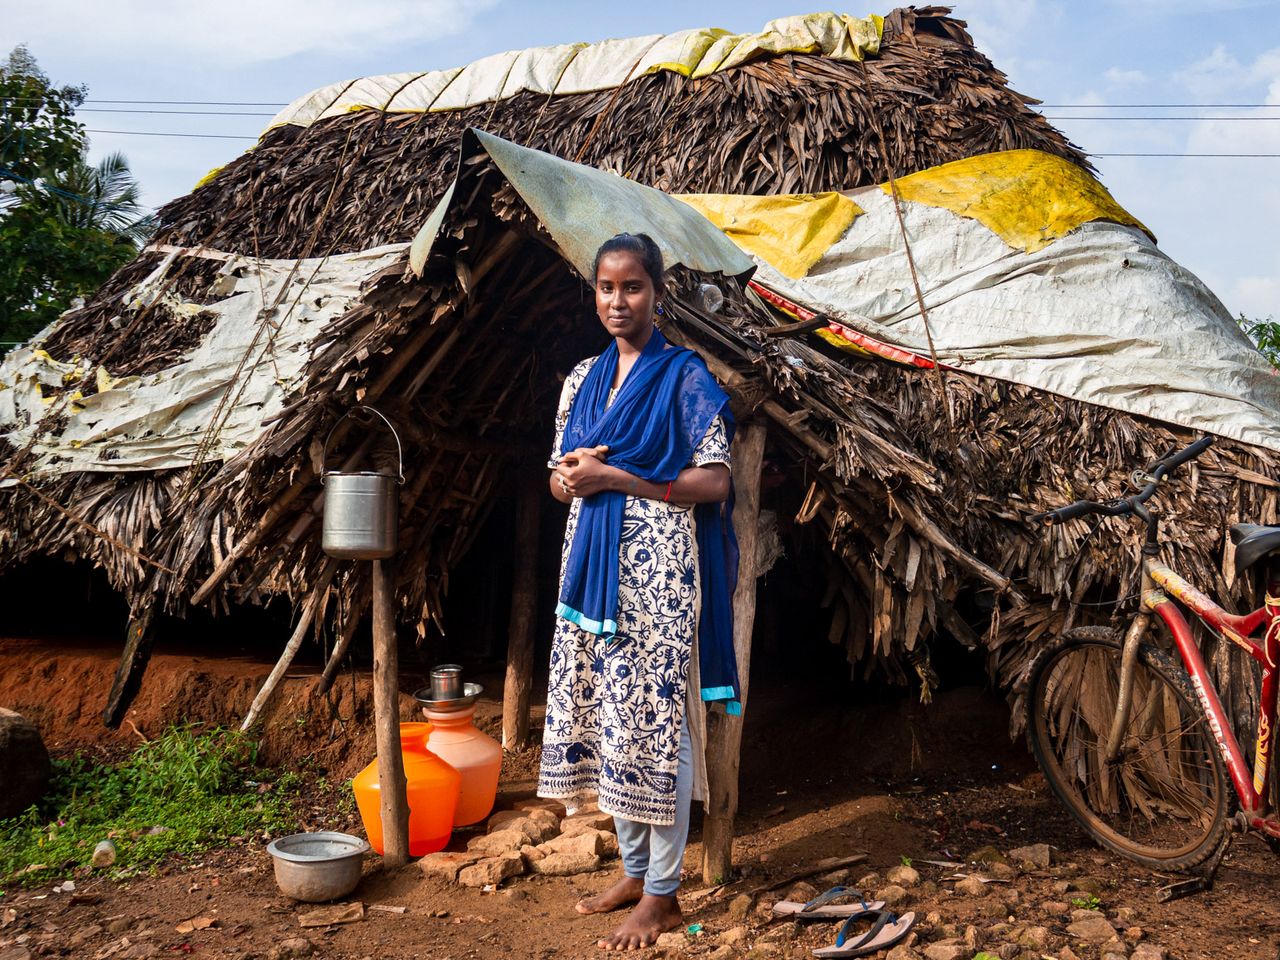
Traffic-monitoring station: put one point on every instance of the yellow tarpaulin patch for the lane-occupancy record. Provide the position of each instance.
(1026, 197)
(791, 232)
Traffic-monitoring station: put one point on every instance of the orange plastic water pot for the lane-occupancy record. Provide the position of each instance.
(450, 704)
(474, 754)
(432, 788)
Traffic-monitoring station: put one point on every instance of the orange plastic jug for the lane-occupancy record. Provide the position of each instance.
(432, 787)
(475, 755)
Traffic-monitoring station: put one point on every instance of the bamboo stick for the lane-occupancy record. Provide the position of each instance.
(265, 523)
(291, 648)
(349, 627)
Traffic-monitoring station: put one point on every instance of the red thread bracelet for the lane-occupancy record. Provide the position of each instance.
(668, 494)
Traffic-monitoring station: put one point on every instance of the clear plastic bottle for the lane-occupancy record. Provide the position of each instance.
(474, 754)
(433, 789)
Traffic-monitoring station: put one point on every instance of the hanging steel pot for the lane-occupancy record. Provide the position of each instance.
(361, 507)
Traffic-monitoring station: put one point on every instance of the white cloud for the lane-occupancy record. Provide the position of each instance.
(1006, 31)
(1118, 77)
(238, 31)
(1221, 75)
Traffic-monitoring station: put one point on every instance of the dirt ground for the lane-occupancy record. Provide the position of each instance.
(822, 777)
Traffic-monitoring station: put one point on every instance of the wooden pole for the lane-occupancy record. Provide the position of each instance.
(386, 712)
(309, 608)
(524, 602)
(724, 733)
(133, 663)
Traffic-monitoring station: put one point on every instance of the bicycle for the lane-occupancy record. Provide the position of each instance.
(1137, 746)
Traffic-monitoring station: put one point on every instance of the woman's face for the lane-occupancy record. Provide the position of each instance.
(625, 297)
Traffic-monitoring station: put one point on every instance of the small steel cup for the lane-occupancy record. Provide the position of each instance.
(446, 682)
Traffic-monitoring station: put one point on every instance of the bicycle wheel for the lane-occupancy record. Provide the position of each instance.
(1165, 800)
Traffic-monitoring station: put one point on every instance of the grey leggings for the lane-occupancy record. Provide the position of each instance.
(656, 853)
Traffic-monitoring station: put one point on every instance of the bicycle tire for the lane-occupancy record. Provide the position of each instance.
(1166, 801)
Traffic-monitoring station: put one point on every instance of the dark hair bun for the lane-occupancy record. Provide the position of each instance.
(640, 246)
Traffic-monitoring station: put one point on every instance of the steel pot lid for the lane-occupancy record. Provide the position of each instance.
(470, 693)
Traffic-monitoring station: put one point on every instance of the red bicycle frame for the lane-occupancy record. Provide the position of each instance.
(1159, 583)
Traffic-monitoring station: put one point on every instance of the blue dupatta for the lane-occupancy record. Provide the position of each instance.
(661, 412)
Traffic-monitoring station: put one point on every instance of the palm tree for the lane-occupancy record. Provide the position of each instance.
(104, 197)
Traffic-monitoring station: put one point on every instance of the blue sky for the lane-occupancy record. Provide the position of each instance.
(1218, 217)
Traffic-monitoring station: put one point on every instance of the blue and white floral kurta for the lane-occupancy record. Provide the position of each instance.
(615, 708)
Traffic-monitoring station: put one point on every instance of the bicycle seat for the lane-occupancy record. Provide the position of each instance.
(1253, 542)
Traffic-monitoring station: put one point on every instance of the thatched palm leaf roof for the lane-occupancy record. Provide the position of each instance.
(465, 360)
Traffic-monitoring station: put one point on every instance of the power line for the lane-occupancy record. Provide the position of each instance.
(164, 103)
(193, 113)
(1218, 155)
(1158, 106)
(160, 133)
(1275, 119)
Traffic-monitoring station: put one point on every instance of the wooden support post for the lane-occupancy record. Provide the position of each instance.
(524, 601)
(349, 627)
(386, 712)
(309, 608)
(724, 733)
(133, 663)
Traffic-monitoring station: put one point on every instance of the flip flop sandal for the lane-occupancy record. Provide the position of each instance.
(885, 931)
(824, 907)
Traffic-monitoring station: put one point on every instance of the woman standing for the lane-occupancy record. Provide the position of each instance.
(643, 629)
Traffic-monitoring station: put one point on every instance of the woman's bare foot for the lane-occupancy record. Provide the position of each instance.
(623, 893)
(651, 917)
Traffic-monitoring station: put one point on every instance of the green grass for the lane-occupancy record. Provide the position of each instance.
(1087, 903)
(192, 785)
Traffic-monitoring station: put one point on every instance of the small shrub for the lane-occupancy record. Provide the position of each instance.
(180, 793)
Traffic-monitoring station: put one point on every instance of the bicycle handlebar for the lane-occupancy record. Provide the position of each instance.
(1172, 461)
(1114, 508)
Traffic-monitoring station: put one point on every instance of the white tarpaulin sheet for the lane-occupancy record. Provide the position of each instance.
(1099, 315)
(583, 67)
(158, 421)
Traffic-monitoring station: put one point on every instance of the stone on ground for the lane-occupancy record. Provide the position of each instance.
(1036, 855)
(492, 871)
(1091, 929)
(565, 864)
(447, 866)
(292, 947)
(972, 887)
(1147, 951)
(740, 907)
(801, 892)
(589, 843)
(494, 844)
(892, 895)
(538, 803)
(734, 936)
(904, 876)
(586, 821)
(947, 950)
(24, 764)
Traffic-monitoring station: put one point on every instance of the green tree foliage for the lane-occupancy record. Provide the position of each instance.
(38, 130)
(1264, 333)
(65, 225)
